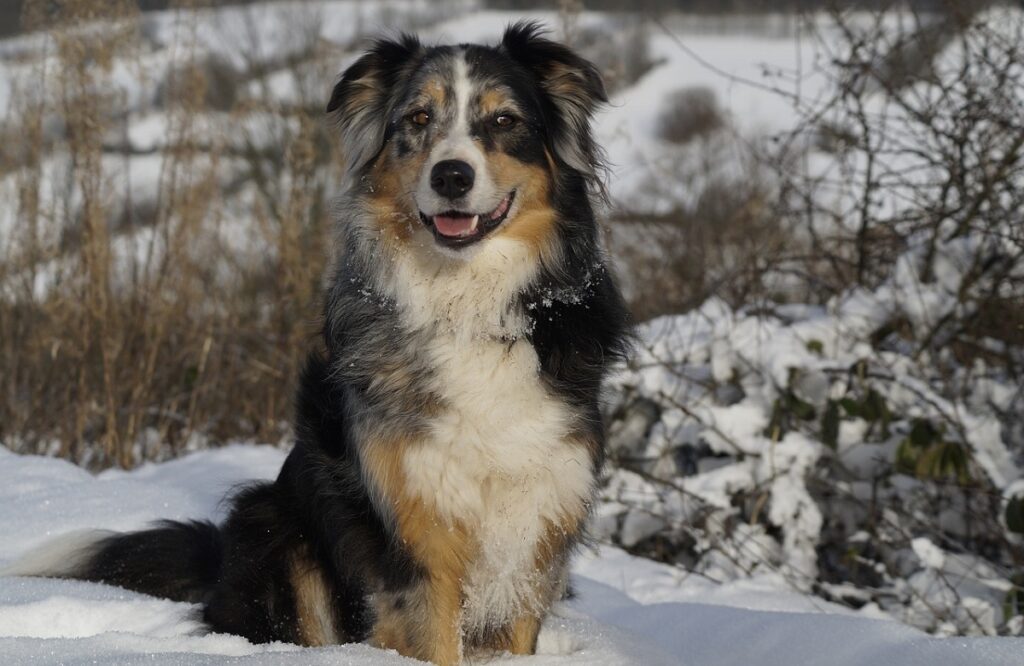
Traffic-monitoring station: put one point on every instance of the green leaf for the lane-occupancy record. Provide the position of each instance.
(906, 457)
(955, 461)
(928, 463)
(943, 460)
(830, 425)
(816, 347)
(851, 407)
(887, 417)
(1015, 514)
(802, 410)
(873, 407)
(1013, 603)
(776, 425)
(922, 433)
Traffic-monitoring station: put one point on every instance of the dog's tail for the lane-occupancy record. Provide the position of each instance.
(179, 561)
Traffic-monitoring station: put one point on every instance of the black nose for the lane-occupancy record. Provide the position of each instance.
(452, 178)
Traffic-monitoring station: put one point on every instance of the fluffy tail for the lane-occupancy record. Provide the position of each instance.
(179, 561)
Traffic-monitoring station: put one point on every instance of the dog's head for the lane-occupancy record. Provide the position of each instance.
(469, 142)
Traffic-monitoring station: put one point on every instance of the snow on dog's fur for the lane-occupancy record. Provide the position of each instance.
(448, 437)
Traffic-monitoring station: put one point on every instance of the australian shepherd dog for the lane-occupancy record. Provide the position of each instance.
(448, 434)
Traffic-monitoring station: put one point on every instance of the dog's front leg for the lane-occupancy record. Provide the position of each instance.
(550, 582)
(425, 621)
(442, 627)
(522, 635)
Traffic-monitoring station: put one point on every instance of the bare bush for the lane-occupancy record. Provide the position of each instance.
(721, 245)
(689, 114)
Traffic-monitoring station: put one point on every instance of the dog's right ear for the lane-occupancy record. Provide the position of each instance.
(361, 102)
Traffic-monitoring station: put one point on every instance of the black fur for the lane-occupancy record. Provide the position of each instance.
(572, 90)
(357, 104)
(180, 561)
(320, 504)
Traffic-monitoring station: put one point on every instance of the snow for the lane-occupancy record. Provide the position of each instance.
(627, 610)
(717, 377)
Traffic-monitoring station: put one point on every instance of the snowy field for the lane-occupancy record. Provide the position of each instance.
(628, 611)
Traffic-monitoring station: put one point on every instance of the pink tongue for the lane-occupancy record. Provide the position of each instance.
(455, 226)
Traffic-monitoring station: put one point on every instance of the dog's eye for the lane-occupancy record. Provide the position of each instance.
(505, 120)
(421, 118)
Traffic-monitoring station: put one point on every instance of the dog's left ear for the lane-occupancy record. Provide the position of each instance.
(361, 101)
(573, 84)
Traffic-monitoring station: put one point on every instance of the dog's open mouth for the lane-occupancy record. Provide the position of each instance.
(457, 229)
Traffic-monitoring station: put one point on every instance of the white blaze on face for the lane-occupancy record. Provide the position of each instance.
(457, 144)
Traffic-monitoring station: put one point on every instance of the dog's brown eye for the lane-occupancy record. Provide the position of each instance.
(504, 120)
(421, 118)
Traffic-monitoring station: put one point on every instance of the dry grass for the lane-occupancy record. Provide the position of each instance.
(122, 356)
(723, 245)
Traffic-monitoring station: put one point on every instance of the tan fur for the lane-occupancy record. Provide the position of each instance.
(314, 610)
(590, 444)
(391, 629)
(436, 91)
(425, 621)
(563, 80)
(534, 224)
(522, 637)
(428, 626)
(390, 205)
(492, 101)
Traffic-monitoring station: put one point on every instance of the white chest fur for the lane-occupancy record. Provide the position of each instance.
(498, 460)
(498, 457)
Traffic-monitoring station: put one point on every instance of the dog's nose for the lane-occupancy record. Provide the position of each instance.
(452, 178)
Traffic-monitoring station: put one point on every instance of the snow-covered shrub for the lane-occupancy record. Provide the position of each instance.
(858, 433)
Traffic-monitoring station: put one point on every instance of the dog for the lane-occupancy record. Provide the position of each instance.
(448, 432)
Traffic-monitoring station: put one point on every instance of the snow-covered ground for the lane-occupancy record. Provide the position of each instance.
(628, 611)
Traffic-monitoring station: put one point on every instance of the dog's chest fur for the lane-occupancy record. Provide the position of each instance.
(499, 456)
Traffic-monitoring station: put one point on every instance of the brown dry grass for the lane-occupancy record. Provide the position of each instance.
(723, 245)
(115, 362)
